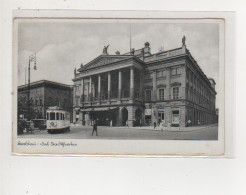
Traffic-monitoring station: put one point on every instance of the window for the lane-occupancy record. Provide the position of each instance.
(175, 93)
(77, 101)
(77, 87)
(137, 93)
(48, 116)
(175, 116)
(40, 102)
(36, 102)
(60, 116)
(148, 95)
(148, 76)
(176, 71)
(160, 73)
(52, 116)
(161, 116)
(161, 94)
(57, 116)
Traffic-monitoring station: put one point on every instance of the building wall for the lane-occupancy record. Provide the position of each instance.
(36, 98)
(195, 99)
(44, 96)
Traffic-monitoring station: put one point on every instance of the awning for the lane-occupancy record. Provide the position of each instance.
(99, 109)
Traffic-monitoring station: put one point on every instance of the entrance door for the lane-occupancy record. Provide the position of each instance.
(124, 114)
(138, 117)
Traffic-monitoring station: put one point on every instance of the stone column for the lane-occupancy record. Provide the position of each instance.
(90, 92)
(82, 91)
(141, 86)
(74, 115)
(183, 82)
(132, 83)
(154, 98)
(119, 85)
(99, 88)
(168, 87)
(74, 96)
(109, 86)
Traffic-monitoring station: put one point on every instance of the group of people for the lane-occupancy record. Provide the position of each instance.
(163, 125)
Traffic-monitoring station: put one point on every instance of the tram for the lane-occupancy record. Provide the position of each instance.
(57, 120)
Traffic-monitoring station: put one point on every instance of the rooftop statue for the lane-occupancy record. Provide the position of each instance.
(105, 50)
(183, 40)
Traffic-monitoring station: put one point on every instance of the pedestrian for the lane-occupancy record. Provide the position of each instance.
(162, 126)
(165, 126)
(189, 123)
(198, 122)
(94, 128)
(127, 123)
(154, 125)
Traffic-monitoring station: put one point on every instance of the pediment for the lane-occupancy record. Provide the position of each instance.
(101, 61)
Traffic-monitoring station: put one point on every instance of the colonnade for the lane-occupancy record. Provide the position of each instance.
(109, 86)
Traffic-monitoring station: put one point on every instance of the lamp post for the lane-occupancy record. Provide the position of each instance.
(32, 58)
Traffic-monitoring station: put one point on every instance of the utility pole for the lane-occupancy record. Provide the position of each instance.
(32, 58)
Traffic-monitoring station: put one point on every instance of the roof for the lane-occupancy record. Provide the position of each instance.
(42, 83)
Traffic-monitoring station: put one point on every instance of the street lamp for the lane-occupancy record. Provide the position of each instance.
(32, 58)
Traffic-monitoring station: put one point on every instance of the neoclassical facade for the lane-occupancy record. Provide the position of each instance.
(140, 88)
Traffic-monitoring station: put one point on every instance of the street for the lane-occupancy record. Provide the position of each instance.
(209, 132)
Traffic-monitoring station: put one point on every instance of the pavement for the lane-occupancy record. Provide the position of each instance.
(151, 128)
(206, 132)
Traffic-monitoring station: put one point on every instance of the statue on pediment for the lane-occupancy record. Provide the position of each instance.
(75, 71)
(183, 40)
(105, 50)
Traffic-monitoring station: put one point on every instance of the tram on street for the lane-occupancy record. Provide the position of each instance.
(57, 120)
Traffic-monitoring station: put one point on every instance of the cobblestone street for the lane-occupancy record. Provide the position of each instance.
(209, 132)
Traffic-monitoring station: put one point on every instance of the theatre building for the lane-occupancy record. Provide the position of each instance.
(141, 88)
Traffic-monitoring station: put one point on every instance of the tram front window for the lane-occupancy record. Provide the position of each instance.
(57, 116)
(52, 116)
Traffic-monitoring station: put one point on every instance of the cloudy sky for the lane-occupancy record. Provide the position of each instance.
(62, 46)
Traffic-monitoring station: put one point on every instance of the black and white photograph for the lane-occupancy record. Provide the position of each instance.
(94, 83)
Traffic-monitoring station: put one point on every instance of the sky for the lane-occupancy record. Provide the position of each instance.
(61, 46)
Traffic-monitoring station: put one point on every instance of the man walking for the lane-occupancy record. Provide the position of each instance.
(94, 128)
(154, 125)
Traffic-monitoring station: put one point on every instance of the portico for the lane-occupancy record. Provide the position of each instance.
(105, 91)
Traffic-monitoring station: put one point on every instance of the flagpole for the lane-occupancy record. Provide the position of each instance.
(130, 38)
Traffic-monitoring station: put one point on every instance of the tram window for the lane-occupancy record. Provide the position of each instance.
(57, 116)
(52, 116)
(60, 116)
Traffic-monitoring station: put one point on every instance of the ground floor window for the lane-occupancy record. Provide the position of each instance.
(161, 116)
(175, 116)
(148, 95)
(147, 119)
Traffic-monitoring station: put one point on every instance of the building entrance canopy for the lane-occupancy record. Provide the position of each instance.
(99, 109)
